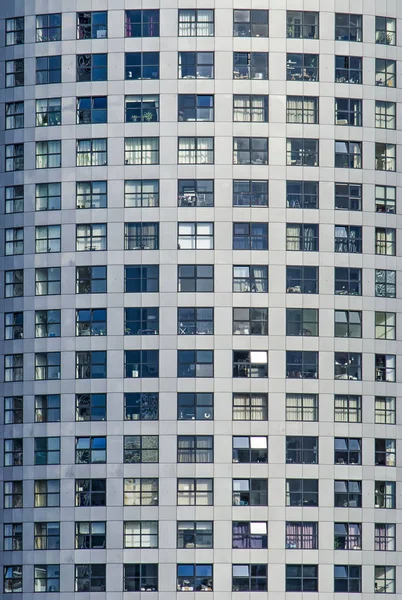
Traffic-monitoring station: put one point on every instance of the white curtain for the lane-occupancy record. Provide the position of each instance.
(293, 237)
(204, 150)
(205, 23)
(99, 156)
(187, 23)
(301, 407)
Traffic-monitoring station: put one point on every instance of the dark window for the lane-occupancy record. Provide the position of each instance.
(348, 323)
(142, 65)
(302, 194)
(302, 67)
(348, 578)
(349, 69)
(250, 278)
(301, 535)
(348, 281)
(249, 534)
(141, 278)
(196, 23)
(302, 24)
(348, 238)
(302, 237)
(302, 152)
(13, 367)
(91, 194)
(91, 25)
(250, 236)
(302, 321)
(141, 236)
(250, 151)
(250, 492)
(140, 577)
(196, 65)
(250, 23)
(385, 31)
(348, 451)
(90, 578)
(47, 493)
(348, 111)
(14, 115)
(301, 280)
(90, 407)
(12, 579)
(250, 193)
(250, 364)
(47, 451)
(302, 449)
(347, 536)
(141, 491)
(141, 406)
(14, 200)
(15, 73)
(91, 321)
(196, 578)
(13, 410)
(48, 28)
(142, 23)
(14, 241)
(301, 364)
(384, 580)
(193, 321)
(302, 492)
(90, 535)
(195, 449)
(385, 283)
(13, 453)
(348, 408)
(348, 28)
(195, 492)
(14, 326)
(348, 196)
(48, 69)
(195, 192)
(385, 367)
(195, 406)
(385, 199)
(348, 155)
(195, 363)
(143, 108)
(90, 280)
(194, 534)
(195, 278)
(249, 578)
(14, 31)
(348, 493)
(141, 321)
(141, 363)
(248, 108)
(195, 107)
(348, 365)
(90, 450)
(250, 321)
(91, 109)
(91, 365)
(90, 492)
(47, 536)
(301, 109)
(47, 408)
(91, 67)
(47, 196)
(141, 449)
(250, 65)
(385, 72)
(248, 449)
(385, 452)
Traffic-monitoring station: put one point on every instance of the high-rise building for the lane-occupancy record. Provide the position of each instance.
(199, 321)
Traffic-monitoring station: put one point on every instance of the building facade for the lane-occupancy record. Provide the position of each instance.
(199, 314)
